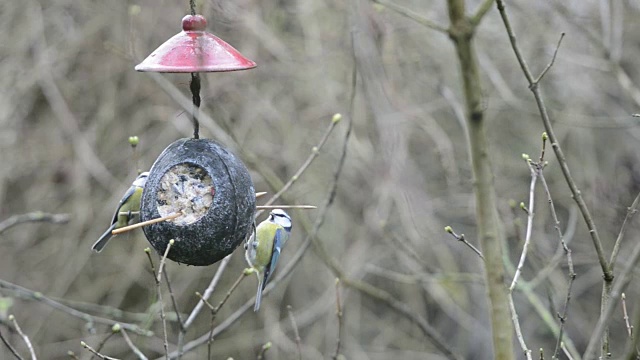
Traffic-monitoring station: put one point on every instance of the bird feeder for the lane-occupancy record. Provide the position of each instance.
(212, 191)
(199, 179)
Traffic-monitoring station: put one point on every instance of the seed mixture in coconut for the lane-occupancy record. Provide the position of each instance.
(187, 188)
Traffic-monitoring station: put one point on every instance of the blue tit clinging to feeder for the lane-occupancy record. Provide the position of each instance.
(263, 249)
(127, 212)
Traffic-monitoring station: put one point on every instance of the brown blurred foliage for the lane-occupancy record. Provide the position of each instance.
(70, 99)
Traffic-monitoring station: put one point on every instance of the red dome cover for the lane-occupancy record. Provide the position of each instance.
(195, 50)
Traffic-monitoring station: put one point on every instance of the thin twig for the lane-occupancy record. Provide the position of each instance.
(619, 286)
(566, 351)
(567, 251)
(173, 299)
(145, 223)
(412, 15)
(158, 282)
(208, 291)
(132, 346)
(114, 329)
(24, 337)
(96, 353)
(553, 60)
(535, 170)
(462, 239)
(632, 351)
(203, 300)
(296, 333)
(37, 216)
(215, 310)
(339, 317)
(158, 279)
(516, 324)
(625, 316)
(315, 151)
(11, 348)
(70, 307)
(482, 10)
(631, 211)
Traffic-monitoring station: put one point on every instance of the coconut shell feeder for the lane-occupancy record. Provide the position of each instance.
(204, 187)
(212, 190)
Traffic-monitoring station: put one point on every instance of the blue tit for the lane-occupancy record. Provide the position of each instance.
(264, 247)
(127, 212)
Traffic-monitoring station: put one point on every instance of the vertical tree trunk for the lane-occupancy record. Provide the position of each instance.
(461, 33)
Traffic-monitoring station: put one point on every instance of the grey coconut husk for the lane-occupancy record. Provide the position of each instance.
(215, 193)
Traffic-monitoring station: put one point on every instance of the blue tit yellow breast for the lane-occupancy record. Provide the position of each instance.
(265, 234)
(130, 204)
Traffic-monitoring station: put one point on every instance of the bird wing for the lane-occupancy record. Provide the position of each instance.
(126, 197)
(278, 241)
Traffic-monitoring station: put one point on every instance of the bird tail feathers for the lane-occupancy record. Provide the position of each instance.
(104, 239)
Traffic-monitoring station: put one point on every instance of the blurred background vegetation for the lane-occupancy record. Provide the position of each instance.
(70, 99)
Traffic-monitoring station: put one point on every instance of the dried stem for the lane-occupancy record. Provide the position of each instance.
(315, 151)
(214, 311)
(632, 351)
(23, 336)
(203, 301)
(113, 332)
(296, 333)
(566, 352)
(339, 316)
(567, 252)
(412, 15)
(11, 348)
(37, 216)
(631, 211)
(535, 170)
(132, 346)
(158, 280)
(208, 291)
(619, 286)
(173, 299)
(482, 10)
(96, 353)
(553, 60)
(516, 325)
(462, 239)
(38, 296)
(625, 316)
